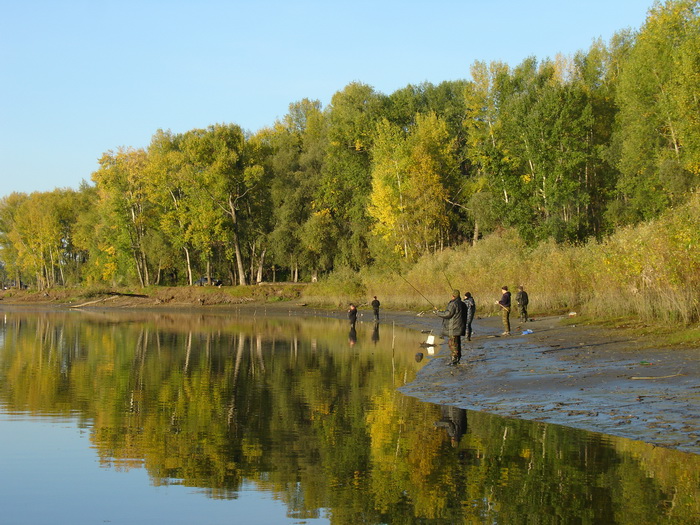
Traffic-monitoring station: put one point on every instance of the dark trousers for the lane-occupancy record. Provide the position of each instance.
(455, 344)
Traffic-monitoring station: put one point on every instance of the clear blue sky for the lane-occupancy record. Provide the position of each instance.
(79, 78)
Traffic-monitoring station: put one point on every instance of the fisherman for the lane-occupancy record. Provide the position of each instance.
(521, 299)
(375, 308)
(504, 303)
(454, 321)
(471, 309)
(352, 315)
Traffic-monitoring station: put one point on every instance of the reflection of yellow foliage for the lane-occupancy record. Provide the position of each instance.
(183, 415)
(251, 450)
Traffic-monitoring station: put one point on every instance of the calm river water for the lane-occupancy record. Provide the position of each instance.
(224, 418)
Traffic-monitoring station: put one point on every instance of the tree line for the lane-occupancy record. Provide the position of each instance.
(568, 149)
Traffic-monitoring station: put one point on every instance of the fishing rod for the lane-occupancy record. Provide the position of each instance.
(417, 290)
(448, 280)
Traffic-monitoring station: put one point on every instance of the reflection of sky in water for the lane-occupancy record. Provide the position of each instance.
(49, 474)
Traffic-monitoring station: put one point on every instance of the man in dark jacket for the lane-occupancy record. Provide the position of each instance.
(522, 301)
(504, 303)
(471, 309)
(454, 323)
(375, 308)
(352, 315)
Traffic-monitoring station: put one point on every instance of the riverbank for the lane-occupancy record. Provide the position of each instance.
(599, 380)
(586, 377)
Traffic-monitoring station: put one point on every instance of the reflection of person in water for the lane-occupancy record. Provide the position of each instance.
(352, 336)
(375, 333)
(454, 420)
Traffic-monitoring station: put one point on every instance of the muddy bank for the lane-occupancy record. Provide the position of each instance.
(578, 376)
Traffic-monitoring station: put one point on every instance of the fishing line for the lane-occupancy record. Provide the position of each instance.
(417, 290)
(448, 280)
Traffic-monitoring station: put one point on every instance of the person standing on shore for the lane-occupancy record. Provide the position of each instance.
(454, 325)
(522, 300)
(504, 303)
(352, 315)
(471, 309)
(375, 308)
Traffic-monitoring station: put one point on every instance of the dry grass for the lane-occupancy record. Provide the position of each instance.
(650, 273)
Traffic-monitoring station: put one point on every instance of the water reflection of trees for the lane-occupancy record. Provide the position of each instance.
(288, 406)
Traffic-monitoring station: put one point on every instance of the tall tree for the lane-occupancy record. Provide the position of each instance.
(122, 187)
(298, 145)
(488, 192)
(218, 164)
(413, 174)
(42, 235)
(346, 180)
(187, 216)
(658, 97)
(9, 206)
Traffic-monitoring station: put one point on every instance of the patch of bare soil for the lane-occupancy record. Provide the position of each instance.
(176, 297)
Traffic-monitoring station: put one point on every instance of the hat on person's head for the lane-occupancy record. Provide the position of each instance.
(455, 293)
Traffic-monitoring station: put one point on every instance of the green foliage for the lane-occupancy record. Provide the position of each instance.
(340, 288)
(658, 107)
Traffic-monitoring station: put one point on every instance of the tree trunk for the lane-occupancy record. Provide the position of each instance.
(261, 262)
(236, 243)
(137, 262)
(251, 275)
(189, 265)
